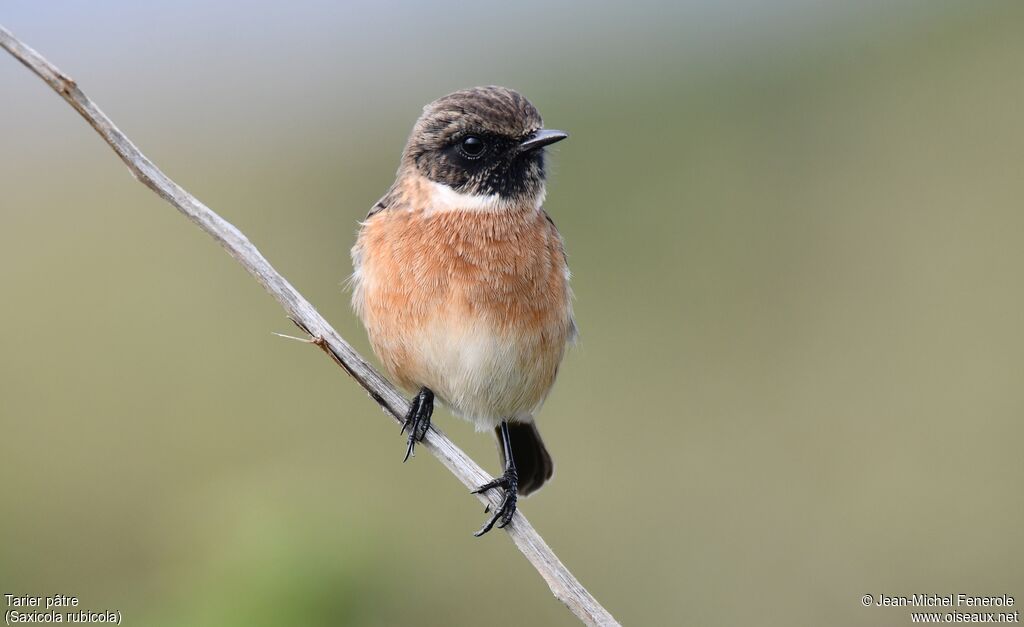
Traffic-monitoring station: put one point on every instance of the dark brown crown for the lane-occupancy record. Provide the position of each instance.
(498, 110)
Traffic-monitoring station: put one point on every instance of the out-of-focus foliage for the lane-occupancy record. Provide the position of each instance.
(795, 230)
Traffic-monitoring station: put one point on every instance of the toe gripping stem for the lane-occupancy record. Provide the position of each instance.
(417, 421)
(509, 482)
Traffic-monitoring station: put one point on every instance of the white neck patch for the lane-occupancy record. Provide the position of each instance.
(444, 199)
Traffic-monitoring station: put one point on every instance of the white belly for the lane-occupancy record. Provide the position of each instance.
(483, 375)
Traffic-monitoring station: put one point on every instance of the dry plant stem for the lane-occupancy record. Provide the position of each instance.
(563, 584)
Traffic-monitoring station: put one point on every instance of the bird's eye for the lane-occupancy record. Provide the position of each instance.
(472, 147)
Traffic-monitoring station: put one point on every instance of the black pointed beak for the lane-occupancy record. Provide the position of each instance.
(540, 139)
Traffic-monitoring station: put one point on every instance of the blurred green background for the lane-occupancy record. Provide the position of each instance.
(796, 233)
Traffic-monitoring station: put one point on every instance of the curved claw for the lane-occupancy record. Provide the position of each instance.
(417, 421)
(503, 514)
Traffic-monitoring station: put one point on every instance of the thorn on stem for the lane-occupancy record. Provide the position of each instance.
(304, 340)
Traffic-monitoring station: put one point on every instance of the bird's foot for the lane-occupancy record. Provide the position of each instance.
(503, 515)
(417, 421)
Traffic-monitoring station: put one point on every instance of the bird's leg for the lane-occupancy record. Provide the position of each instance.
(417, 421)
(509, 481)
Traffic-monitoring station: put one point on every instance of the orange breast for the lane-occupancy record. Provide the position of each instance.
(472, 304)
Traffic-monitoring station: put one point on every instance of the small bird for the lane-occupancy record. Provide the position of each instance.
(461, 278)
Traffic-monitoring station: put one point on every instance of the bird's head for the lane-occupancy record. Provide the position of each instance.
(484, 144)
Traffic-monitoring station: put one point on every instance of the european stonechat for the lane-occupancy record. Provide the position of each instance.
(461, 278)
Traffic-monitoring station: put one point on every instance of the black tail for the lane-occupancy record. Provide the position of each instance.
(533, 463)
